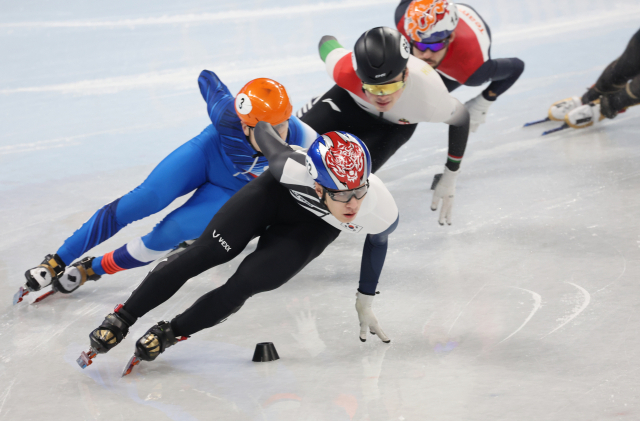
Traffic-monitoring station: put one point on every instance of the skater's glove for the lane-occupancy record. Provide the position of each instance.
(368, 320)
(477, 108)
(445, 189)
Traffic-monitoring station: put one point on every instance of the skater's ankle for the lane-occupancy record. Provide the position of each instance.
(96, 265)
(125, 315)
(175, 328)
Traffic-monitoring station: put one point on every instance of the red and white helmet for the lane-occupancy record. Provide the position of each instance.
(430, 21)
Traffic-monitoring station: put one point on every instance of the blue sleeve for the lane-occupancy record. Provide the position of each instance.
(373, 256)
(214, 92)
(300, 134)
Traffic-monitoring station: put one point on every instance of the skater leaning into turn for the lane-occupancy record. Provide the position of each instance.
(617, 88)
(298, 207)
(216, 164)
(381, 93)
(456, 41)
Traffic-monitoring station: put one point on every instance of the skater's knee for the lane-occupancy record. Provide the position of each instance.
(518, 67)
(165, 235)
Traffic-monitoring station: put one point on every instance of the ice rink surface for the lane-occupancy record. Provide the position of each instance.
(526, 308)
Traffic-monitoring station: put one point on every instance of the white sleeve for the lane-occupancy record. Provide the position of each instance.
(460, 115)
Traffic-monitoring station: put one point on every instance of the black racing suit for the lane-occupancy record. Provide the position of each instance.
(290, 234)
(619, 84)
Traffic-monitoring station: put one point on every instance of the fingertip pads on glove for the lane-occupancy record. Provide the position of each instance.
(367, 318)
(445, 189)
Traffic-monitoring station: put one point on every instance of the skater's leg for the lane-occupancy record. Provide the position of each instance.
(618, 73)
(245, 215)
(283, 250)
(501, 72)
(179, 173)
(185, 223)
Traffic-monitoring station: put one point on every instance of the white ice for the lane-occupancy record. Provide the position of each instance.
(526, 308)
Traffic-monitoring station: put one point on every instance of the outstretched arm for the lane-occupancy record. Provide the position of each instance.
(458, 135)
(445, 187)
(213, 91)
(373, 256)
(275, 149)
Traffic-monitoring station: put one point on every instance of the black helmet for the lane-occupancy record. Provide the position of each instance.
(380, 55)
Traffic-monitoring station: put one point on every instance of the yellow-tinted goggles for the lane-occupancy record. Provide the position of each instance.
(386, 89)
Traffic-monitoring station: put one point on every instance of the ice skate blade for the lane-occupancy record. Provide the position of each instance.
(557, 129)
(531, 123)
(134, 361)
(86, 358)
(19, 296)
(43, 296)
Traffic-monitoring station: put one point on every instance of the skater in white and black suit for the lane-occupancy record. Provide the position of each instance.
(297, 207)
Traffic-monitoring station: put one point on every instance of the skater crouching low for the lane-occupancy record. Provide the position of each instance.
(298, 207)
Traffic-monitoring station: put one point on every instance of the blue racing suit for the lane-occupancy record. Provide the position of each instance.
(216, 164)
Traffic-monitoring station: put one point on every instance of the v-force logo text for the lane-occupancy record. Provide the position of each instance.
(223, 243)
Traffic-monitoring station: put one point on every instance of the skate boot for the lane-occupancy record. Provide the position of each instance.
(152, 344)
(559, 110)
(75, 276)
(110, 333)
(40, 276)
(584, 116)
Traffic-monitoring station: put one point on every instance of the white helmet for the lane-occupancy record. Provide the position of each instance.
(430, 21)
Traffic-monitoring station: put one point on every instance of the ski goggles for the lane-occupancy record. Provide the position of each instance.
(387, 88)
(344, 196)
(432, 46)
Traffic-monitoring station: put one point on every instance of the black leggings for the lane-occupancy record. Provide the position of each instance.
(613, 80)
(290, 238)
(627, 66)
(381, 137)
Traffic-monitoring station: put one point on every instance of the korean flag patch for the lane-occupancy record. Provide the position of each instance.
(351, 227)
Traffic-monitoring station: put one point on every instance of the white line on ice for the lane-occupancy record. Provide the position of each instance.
(6, 395)
(59, 142)
(193, 18)
(465, 307)
(536, 306)
(183, 78)
(617, 17)
(587, 300)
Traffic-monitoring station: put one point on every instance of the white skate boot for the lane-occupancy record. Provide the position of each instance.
(584, 116)
(559, 109)
(75, 275)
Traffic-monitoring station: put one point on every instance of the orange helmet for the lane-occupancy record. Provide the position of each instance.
(263, 100)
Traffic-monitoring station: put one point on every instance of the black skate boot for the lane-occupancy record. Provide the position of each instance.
(152, 344)
(110, 333)
(75, 275)
(41, 276)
